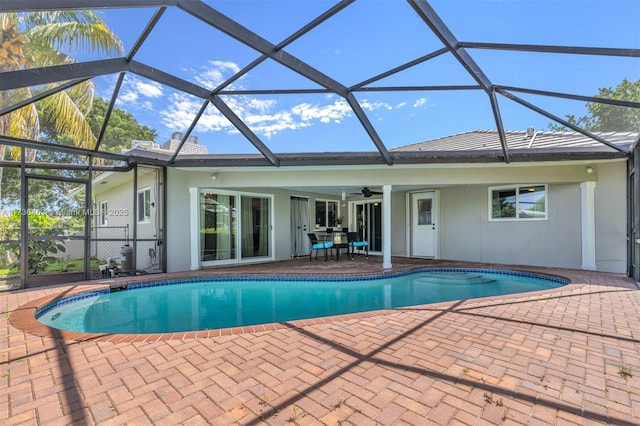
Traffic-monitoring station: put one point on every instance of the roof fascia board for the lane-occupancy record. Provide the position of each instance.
(399, 159)
(45, 75)
(608, 101)
(522, 102)
(575, 50)
(35, 5)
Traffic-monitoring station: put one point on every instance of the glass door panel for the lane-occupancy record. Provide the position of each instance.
(255, 227)
(369, 223)
(217, 227)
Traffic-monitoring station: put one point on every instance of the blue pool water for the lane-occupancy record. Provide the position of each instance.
(197, 304)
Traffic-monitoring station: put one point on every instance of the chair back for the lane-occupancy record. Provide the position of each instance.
(329, 230)
(353, 236)
(312, 238)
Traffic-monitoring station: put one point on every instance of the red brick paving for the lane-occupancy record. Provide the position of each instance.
(551, 357)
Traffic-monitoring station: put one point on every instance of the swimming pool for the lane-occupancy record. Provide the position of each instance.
(222, 302)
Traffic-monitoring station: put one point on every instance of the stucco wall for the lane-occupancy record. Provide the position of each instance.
(464, 229)
(120, 201)
(467, 234)
(611, 218)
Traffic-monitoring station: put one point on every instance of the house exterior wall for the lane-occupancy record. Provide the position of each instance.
(465, 232)
(120, 200)
(611, 217)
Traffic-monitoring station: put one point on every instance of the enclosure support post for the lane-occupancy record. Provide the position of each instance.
(24, 221)
(194, 228)
(134, 243)
(88, 214)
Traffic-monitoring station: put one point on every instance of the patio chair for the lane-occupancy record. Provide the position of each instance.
(356, 243)
(318, 245)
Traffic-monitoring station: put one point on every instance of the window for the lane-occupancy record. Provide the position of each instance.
(521, 202)
(144, 205)
(326, 214)
(102, 214)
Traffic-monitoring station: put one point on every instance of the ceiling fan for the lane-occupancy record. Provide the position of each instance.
(366, 192)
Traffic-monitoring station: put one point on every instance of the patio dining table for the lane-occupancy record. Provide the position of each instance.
(339, 240)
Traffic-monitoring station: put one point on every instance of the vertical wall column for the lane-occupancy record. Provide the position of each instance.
(588, 210)
(386, 226)
(194, 230)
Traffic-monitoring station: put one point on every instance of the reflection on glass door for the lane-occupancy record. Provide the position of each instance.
(217, 227)
(256, 224)
(369, 223)
(234, 227)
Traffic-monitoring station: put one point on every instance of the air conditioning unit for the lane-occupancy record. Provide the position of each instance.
(144, 145)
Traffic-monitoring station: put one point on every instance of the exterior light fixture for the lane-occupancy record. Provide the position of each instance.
(214, 176)
(588, 170)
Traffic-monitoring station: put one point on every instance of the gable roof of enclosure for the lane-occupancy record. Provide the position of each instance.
(461, 51)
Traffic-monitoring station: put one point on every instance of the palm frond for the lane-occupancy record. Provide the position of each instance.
(76, 36)
(60, 110)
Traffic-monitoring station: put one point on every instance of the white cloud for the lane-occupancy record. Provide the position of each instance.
(420, 103)
(216, 73)
(150, 90)
(135, 94)
(266, 117)
(372, 106)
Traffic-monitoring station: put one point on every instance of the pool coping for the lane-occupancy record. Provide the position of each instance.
(24, 317)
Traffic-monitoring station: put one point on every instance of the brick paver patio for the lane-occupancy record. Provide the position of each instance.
(563, 357)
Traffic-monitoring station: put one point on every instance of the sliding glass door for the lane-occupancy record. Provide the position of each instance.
(233, 227)
(255, 227)
(218, 227)
(368, 217)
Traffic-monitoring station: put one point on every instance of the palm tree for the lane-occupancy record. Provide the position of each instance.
(40, 39)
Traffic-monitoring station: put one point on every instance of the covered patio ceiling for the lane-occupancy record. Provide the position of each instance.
(442, 39)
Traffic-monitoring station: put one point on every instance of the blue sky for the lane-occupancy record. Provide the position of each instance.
(365, 39)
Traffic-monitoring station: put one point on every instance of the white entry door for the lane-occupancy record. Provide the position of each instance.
(424, 221)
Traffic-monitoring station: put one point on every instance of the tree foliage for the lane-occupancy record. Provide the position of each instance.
(122, 128)
(610, 118)
(45, 38)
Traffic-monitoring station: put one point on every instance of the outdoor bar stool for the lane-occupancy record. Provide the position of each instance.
(317, 245)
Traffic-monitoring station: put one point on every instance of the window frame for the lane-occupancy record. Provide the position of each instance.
(142, 217)
(517, 188)
(326, 220)
(103, 208)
